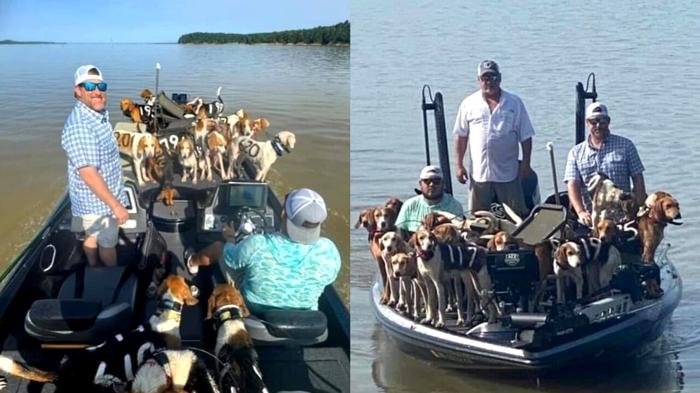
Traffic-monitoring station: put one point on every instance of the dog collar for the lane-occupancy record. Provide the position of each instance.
(162, 359)
(278, 146)
(374, 236)
(170, 309)
(227, 313)
(425, 255)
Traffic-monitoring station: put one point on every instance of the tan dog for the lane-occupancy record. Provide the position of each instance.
(610, 257)
(148, 97)
(216, 147)
(261, 154)
(502, 241)
(136, 112)
(234, 346)
(174, 294)
(568, 260)
(139, 147)
(390, 244)
(188, 160)
(405, 269)
(665, 210)
(606, 198)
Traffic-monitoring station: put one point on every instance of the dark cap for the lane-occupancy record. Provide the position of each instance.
(487, 67)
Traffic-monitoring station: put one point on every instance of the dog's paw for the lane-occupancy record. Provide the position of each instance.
(391, 303)
(425, 321)
(439, 324)
(460, 322)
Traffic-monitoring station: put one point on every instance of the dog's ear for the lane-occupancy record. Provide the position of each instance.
(381, 244)
(360, 218)
(560, 253)
(189, 299)
(412, 240)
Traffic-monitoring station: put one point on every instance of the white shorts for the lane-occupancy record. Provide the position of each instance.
(104, 227)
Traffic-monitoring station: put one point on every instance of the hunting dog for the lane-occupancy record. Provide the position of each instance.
(187, 157)
(139, 147)
(437, 265)
(567, 263)
(136, 112)
(211, 110)
(216, 147)
(609, 257)
(234, 346)
(173, 371)
(411, 289)
(148, 97)
(607, 199)
(261, 154)
(174, 293)
(390, 244)
(664, 210)
(106, 367)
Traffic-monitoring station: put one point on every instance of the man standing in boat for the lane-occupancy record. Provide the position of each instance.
(492, 123)
(433, 198)
(603, 152)
(287, 270)
(94, 171)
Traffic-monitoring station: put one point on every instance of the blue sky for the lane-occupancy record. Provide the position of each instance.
(158, 20)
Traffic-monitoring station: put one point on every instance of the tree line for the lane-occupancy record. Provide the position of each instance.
(323, 35)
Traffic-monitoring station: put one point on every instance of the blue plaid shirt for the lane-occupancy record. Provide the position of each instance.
(88, 140)
(617, 158)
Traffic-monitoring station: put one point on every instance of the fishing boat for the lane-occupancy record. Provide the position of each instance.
(51, 304)
(539, 337)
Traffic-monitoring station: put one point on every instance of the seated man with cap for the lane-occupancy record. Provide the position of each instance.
(602, 152)
(433, 198)
(287, 270)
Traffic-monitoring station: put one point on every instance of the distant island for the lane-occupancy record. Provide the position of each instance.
(323, 35)
(11, 42)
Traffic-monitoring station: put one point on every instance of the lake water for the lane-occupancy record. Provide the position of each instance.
(645, 57)
(304, 89)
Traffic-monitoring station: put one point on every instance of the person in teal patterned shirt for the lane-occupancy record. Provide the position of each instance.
(432, 198)
(287, 270)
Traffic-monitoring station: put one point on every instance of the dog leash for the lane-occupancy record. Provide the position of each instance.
(222, 368)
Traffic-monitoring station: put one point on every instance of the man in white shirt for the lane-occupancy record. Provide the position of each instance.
(492, 123)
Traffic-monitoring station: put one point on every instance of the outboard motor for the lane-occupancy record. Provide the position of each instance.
(514, 275)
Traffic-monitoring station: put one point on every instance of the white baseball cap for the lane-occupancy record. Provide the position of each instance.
(83, 74)
(305, 210)
(431, 172)
(596, 109)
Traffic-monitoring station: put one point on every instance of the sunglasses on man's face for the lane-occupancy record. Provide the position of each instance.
(490, 77)
(90, 86)
(595, 122)
(432, 181)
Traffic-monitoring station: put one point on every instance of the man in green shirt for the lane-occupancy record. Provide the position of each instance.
(433, 198)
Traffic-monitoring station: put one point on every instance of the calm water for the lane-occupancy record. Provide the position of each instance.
(302, 89)
(645, 57)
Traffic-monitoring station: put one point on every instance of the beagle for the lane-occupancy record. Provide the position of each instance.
(148, 98)
(211, 110)
(567, 263)
(234, 346)
(390, 243)
(188, 160)
(438, 264)
(261, 154)
(136, 112)
(174, 371)
(411, 289)
(606, 198)
(173, 293)
(502, 241)
(609, 258)
(139, 146)
(216, 147)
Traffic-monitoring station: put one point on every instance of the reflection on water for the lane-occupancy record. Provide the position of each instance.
(297, 88)
(543, 50)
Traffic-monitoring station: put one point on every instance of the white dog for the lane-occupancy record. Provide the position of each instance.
(139, 146)
(567, 263)
(605, 196)
(261, 154)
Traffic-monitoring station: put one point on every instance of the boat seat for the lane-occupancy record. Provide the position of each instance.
(288, 327)
(543, 222)
(93, 304)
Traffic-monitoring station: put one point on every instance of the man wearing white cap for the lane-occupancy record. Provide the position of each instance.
(94, 170)
(432, 198)
(493, 123)
(610, 154)
(287, 270)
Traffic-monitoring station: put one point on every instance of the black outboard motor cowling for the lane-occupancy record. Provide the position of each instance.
(514, 275)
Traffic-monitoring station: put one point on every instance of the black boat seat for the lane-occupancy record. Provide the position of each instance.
(91, 312)
(288, 327)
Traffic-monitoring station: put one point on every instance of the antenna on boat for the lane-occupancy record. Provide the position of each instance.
(581, 96)
(157, 103)
(550, 149)
(426, 107)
